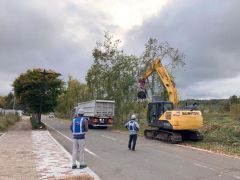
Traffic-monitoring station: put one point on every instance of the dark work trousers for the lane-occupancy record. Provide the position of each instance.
(132, 141)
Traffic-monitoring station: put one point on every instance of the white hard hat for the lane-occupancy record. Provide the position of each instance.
(133, 116)
(80, 111)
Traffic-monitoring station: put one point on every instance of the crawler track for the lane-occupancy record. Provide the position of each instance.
(172, 136)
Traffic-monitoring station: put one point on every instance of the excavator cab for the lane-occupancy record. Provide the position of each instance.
(155, 110)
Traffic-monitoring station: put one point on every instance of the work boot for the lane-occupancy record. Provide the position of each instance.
(74, 166)
(83, 166)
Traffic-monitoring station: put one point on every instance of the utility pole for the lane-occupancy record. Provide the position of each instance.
(13, 106)
(43, 91)
(230, 107)
(14, 102)
(44, 73)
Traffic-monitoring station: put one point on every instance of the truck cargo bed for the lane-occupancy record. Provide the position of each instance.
(97, 108)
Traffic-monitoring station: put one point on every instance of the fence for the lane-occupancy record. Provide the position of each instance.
(10, 111)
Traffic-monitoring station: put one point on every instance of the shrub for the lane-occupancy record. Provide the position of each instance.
(35, 124)
(8, 120)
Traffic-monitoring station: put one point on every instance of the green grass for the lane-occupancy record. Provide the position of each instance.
(221, 134)
(7, 121)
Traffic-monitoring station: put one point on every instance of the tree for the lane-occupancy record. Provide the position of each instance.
(234, 107)
(234, 99)
(113, 75)
(9, 101)
(2, 102)
(38, 90)
(105, 55)
(75, 92)
(171, 58)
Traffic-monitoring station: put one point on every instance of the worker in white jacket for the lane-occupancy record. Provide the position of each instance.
(79, 127)
(133, 128)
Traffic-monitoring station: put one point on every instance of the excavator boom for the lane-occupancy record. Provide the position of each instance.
(165, 78)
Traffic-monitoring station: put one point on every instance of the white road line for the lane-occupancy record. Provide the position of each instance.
(208, 151)
(2, 134)
(90, 152)
(108, 137)
(179, 157)
(87, 150)
(200, 165)
(237, 177)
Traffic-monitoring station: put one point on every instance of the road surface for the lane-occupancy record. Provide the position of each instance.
(108, 156)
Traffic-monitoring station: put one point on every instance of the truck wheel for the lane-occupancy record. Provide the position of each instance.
(90, 126)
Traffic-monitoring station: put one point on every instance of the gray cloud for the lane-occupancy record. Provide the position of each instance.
(35, 34)
(206, 31)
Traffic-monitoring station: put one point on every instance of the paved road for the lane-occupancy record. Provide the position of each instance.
(108, 156)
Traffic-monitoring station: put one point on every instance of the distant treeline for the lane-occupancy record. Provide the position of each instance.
(231, 105)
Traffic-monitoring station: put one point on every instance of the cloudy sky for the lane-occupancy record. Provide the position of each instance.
(60, 35)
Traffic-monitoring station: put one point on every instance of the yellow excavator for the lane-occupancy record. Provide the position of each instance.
(166, 121)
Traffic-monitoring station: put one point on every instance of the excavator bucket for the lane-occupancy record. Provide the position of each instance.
(142, 95)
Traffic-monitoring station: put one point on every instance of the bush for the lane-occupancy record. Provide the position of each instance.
(8, 120)
(35, 124)
(235, 111)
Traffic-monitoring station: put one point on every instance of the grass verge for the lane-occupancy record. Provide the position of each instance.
(221, 134)
(7, 120)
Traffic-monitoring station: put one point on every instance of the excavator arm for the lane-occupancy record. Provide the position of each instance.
(165, 78)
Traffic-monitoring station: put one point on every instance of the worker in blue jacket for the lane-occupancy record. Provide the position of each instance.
(133, 128)
(79, 127)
